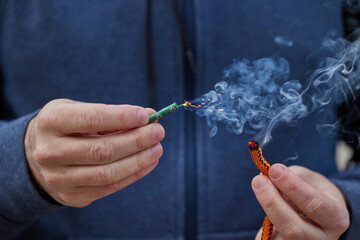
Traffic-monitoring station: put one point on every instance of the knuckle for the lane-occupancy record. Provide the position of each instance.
(292, 231)
(68, 198)
(345, 224)
(74, 200)
(101, 151)
(139, 140)
(90, 118)
(114, 187)
(139, 162)
(315, 206)
(342, 224)
(104, 175)
(160, 153)
(50, 178)
(45, 119)
(122, 119)
(111, 188)
(291, 188)
(43, 154)
(142, 174)
(75, 197)
(269, 203)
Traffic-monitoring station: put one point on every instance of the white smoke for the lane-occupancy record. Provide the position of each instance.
(254, 97)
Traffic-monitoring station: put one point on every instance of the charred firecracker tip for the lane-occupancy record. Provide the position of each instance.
(253, 144)
(164, 112)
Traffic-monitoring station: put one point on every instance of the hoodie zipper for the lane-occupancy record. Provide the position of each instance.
(187, 31)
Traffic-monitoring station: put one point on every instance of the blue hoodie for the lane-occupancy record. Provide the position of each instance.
(132, 51)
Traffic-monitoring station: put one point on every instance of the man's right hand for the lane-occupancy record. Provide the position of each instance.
(80, 152)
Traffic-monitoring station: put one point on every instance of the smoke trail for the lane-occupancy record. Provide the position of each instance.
(338, 77)
(290, 159)
(283, 41)
(338, 81)
(254, 97)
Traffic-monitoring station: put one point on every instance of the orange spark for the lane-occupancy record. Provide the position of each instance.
(188, 104)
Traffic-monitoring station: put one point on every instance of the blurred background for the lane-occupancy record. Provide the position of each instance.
(347, 150)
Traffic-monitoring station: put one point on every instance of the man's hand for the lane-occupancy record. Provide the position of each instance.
(292, 192)
(80, 152)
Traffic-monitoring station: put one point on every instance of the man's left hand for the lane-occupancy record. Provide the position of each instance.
(301, 203)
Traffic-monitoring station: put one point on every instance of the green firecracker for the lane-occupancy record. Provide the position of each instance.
(164, 112)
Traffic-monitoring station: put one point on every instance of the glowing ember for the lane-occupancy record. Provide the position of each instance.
(253, 144)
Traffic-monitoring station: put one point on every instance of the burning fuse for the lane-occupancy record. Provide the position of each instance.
(169, 109)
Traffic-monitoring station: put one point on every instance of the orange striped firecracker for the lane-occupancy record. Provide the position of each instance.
(263, 166)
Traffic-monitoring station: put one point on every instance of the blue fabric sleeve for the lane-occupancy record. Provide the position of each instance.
(20, 202)
(349, 183)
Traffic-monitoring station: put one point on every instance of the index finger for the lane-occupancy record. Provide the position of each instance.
(76, 117)
(308, 199)
(286, 220)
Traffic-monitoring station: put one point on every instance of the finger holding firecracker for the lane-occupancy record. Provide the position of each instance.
(80, 152)
(302, 204)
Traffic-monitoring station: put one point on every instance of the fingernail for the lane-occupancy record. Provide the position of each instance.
(276, 172)
(156, 151)
(142, 116)
(158, 132)
(259, 182)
